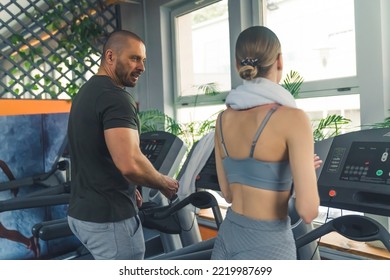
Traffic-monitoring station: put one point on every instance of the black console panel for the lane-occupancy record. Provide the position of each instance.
(356, 171)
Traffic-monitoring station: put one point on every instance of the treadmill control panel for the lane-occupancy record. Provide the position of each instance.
(356, 171)
(164, 150)
(151, 148)
(368, 162)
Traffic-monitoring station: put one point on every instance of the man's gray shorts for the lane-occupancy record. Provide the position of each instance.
(123, 240)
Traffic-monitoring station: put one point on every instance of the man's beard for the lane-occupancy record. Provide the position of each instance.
(123, 78)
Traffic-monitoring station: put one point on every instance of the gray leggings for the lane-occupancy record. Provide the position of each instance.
(123, 240)
(243, 238)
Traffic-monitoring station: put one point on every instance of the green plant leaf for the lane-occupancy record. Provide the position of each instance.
(329, 126)
(293, 82)
(384, 124)
(208, 89)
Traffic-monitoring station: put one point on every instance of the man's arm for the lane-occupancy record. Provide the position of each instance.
(124, 147)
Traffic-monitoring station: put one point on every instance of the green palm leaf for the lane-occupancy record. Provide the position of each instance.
(292, 83)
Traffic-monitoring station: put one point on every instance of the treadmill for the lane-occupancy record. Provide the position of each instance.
(355, 176)
(165, 151)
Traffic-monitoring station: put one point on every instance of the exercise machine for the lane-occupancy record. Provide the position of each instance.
(355, 176)
(58, 174)
(43, 194)
(207, 180)
(165, 151)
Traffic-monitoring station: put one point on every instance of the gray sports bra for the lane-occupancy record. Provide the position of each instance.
(274, 176)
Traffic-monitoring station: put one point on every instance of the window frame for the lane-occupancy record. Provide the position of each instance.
(189, 100)
(311, 89)
(370, 50)
(366, 55)
(325, 87)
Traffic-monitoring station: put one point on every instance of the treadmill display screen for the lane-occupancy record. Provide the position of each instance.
(368, 162)
(151, 148)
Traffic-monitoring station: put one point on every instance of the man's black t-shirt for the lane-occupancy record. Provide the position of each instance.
(99, 192)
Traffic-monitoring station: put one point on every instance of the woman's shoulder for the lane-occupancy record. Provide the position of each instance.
(292, 119)
(292, 112)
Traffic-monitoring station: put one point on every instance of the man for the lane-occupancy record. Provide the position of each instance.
(106, 160)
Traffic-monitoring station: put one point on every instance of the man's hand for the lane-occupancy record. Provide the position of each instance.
(170, 187)
(138, 198)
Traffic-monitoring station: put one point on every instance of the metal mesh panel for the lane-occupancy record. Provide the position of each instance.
(49, 48)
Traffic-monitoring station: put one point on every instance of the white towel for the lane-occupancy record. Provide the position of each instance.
(199, 156)
(258, 92)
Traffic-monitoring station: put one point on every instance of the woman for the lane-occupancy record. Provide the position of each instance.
(263, 143)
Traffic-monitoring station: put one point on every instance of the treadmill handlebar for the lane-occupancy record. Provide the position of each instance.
(33, 202)
(200, 200)
(355, 227)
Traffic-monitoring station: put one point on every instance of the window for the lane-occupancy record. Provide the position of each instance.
(202, 113)
(318, 41)
(347, 106)
(202, 53)
(317, 37)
